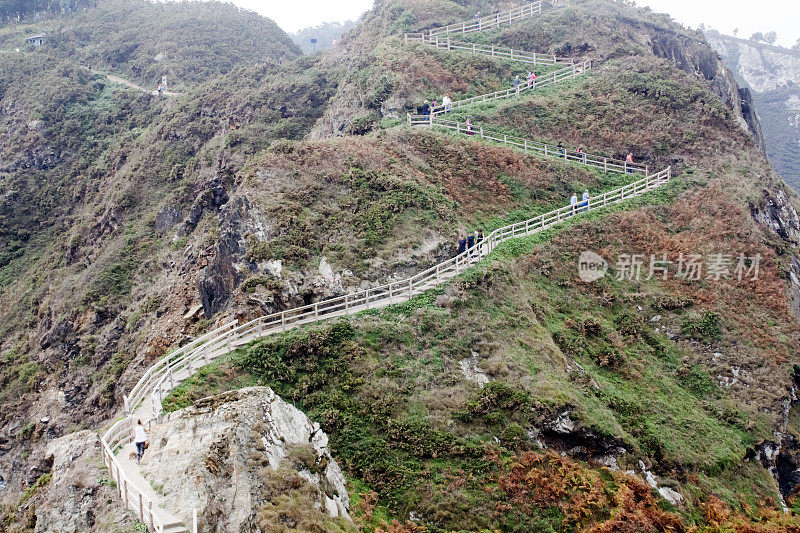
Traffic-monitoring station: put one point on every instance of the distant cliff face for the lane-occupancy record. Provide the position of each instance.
(773, 75)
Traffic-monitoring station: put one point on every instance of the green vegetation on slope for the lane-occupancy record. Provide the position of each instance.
(387, 388)
(142, 41)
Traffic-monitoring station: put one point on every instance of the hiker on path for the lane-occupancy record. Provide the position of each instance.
(585, 202)
(447, 103)
(462, 244)
(471, 243)
(531, 78)
(426, 108)
(629, 160)
(516, 82)
(496, 16)
(469, 125)
(140, 438)
(560, 148)
(574, 203)
(160, 89)
(477, 16)
(478, 241)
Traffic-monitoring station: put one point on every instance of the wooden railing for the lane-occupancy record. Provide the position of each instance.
(176, 367)
(557, 76)
(530, 146)
(180, 365)
(491, 21)
(522, 56)
(169, 372)
(120, 434)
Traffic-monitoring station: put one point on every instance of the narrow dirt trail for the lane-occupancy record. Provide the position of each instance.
(123, 81)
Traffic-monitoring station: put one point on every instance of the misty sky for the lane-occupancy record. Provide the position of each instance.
(782, 16)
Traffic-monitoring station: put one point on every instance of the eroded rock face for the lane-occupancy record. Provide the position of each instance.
(242, 458)
(79, 498)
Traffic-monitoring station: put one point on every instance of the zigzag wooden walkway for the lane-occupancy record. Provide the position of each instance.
(144, 401)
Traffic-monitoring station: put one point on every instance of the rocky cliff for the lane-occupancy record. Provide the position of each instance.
(247, 461)
(772, 74)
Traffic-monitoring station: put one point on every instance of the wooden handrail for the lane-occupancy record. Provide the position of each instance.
(490, 22)
(522, 56)
(122, 431)
(176, 367)
(531, 146)
(566, 73)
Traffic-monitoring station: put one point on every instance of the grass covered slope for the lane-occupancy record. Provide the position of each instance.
(157, 219)
(575, 367)
(691, 378)
(142, 40)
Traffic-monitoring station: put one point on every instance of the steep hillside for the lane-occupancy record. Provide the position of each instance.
(143, 41)
(518, 397)
(773, 76)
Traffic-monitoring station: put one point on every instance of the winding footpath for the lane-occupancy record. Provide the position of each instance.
(144, 400)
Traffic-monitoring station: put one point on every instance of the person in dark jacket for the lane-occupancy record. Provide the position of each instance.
(478, 241)
(426, 108)
(471, 243)
(462, 244)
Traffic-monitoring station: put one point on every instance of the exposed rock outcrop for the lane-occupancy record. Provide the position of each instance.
(75, 494)
(695, 57)
(772, 76)
(241, 457)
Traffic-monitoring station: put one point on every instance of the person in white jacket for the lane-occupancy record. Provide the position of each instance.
(574, 203)
(447, 103)
(140, 438)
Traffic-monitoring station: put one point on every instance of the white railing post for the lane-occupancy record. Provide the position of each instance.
(481, 132)
(391, 286)
(605, 164)
(194, 520)
(283, 320)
